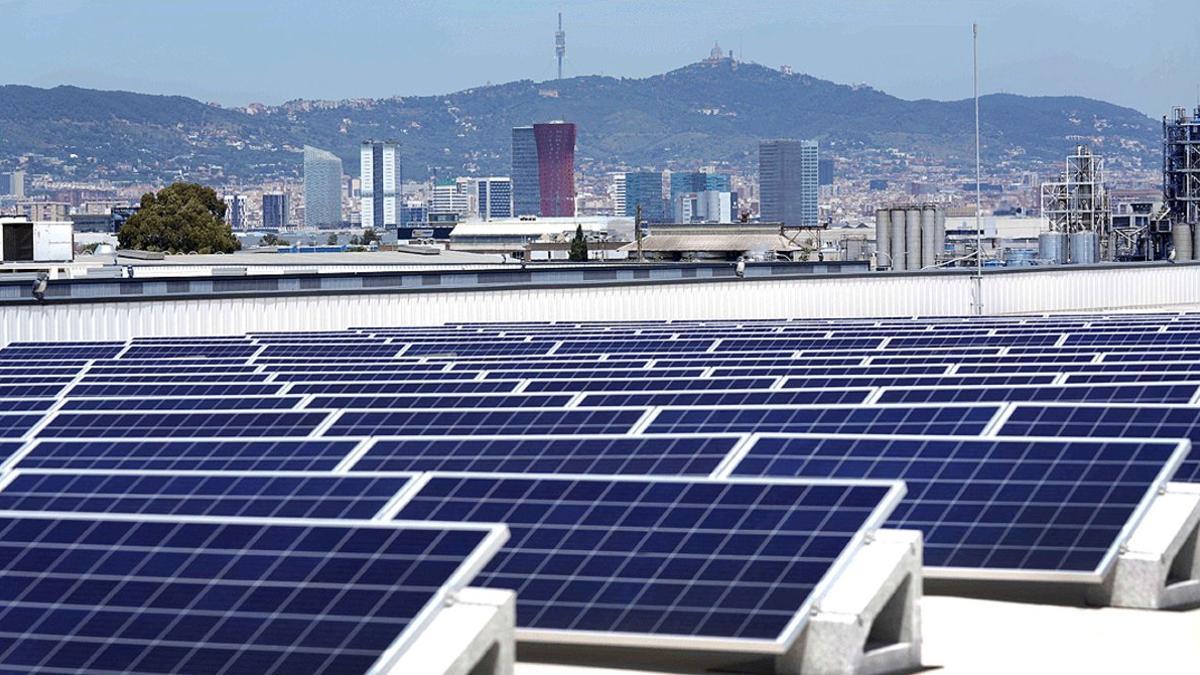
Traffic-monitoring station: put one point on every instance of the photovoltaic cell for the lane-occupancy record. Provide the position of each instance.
(623, 559)
(144, 390)
(431, 401)
(1006, 505)
(181, 424)
(451, 387)
(86, 593)
(15, 425)
(615, 455)
(1130, 393)
(929, 420)
(189, 455)
(1126, 421)
(493, 421)
(716, 398)
(185, 403)
(261, 495)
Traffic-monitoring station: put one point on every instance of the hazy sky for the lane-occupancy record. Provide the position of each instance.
(1139, 53)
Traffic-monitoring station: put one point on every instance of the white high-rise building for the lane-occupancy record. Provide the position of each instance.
(322, 188)
(618, 193)
(379, 183)
(235, 211)
(451, 196)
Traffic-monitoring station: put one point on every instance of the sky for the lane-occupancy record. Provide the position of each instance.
(1142, 54)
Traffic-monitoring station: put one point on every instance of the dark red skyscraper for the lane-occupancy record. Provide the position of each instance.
(556, 167)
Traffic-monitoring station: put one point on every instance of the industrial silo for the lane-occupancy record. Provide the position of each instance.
(1181, 236)
(1085, 247)
(1052, 248)
(912, 242)
(898, 240)
(883, 238)
(1195, 240)
(940, 233)
(929, 243)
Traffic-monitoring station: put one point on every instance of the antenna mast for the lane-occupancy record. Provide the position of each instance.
(560, 44)
(978, 171)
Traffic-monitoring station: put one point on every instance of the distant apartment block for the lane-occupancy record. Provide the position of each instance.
(322, 188)
(709, 206)
(494, 197)
(12, 184)
(39, 211)
(379, 183)
(698, 181)
(235, 211)
(788, 182)
(618, 193)
(645, 189)
(276, 207)
(527, 196)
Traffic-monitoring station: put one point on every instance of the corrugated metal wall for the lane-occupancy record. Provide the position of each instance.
(1059, 290)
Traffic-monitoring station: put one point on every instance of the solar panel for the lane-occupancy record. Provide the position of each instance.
(85, 593)
(716, 398)
(176, 351)
(1114, 393)
(650, 384)
(615, 455)
(1002, 507)
(636, 561)
(189, 455)
(220, 494)
(416, 387)
(432, 401)
(1118, 421)
(180, 424)
(16, 425)
(521, 421)
(145, 390)
(185, 403)
(930, 420)
(25, 404)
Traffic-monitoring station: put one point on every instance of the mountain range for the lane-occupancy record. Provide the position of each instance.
(709, 112)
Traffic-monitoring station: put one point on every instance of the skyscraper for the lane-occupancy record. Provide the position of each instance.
(13, 184)
(527, 197)
(698, 181)
(788, 182)
(494, 197)
(235, 211)
(645, 189)
(276, 208)
(556, 167)
(618, 194)
(322, 188)
(379, 183)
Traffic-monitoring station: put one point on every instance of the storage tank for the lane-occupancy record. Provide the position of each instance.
(854, 249)
(1085, 247)
(940, 230)
(912, 234)
(1052, 248)
(1195, 240)
(1181, 236)
(883, 238)
(898, 240)
(929, 240)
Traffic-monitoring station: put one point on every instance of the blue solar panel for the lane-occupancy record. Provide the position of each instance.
(1126, 421)
(1136, 338)
(592, 373)
(25, 404)
(8, 449)
(259, 495)
(185, 403)
(632, 345)
(793, 344)
(163, 378)
(243, 350)
(929, 420)
(915, 381)
(362, 349)
(148, 390)
(1103, 378)
(651, 384)
(61, 352)
(180, 424)
(615, 455)
(432, 401)
(496, 421)
(1130, 393)
(326, 378)
(15, 425)
(837, 371)
(794, 397)
(478, 348)
(85, 593)
(189, 455)
(1012, 505)
(656, 557)
(449, 387)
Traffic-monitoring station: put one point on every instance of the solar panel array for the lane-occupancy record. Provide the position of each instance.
(682, 480)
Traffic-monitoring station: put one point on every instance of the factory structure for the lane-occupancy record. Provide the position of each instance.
(1181, 180)
(910, 237)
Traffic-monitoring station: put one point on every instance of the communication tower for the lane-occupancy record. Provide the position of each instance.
(560, 44)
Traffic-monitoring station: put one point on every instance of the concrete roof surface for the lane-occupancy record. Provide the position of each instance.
(301, 259)
(965, 636)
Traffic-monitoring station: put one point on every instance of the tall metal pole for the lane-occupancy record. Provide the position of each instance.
(637, 231)
(978, 173)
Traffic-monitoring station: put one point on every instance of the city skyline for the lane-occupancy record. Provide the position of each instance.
(1021, 51)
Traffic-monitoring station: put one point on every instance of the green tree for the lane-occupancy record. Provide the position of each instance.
(579, 247)
(369, 236)
(332, 240)
(180, 218)
(272, 239)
